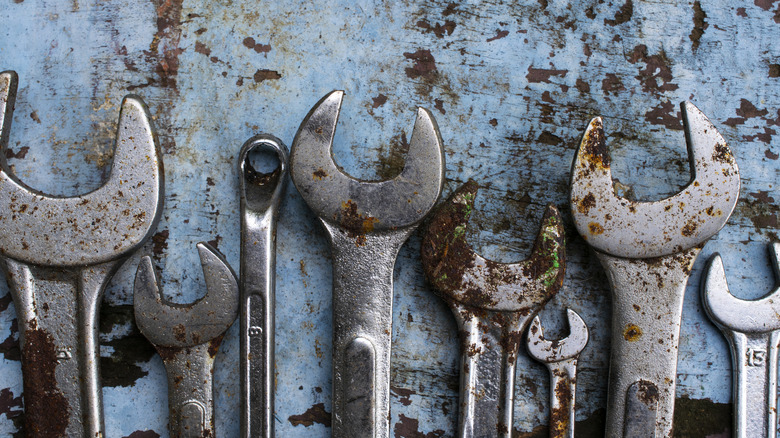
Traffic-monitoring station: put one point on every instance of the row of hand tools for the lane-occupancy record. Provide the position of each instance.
(59, 254)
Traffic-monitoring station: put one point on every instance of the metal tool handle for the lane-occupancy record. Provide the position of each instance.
(647, 299)
(190, 372)
(62, 392)
(260, 198)
(754, 359)
(489, 347)
(563, 390)
(362, 329)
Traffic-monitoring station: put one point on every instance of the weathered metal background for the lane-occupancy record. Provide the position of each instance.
(512, 85)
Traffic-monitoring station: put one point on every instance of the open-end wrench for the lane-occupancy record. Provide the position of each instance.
(560, 357)
(492, 303)
(647, 250)
(261, 194)
(187, 337)
(59, 254)
(752, 329)
(366, 222)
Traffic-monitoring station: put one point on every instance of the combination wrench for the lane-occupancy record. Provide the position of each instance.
(187, 338)
(752, 329)
(58, 254)
(560, 357)
(492, 303)
(261, 194)
(648, 250)
(366, 223)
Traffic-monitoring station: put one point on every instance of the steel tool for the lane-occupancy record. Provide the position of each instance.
(560, 358)
(648, 249)
(492, 303)
(366, 222)
(187, 337)
(261, 194)
(59, 254)
(752, 329)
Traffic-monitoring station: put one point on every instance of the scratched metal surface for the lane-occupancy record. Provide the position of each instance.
(512, 86)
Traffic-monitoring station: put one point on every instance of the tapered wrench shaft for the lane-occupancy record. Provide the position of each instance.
(261, 194)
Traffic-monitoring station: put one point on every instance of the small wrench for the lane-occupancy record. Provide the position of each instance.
(560, 357)
(261, 194)
(187, 337)
(366, 222)
(492, 303)
(58, 254)
(752, 329)
(648, 250)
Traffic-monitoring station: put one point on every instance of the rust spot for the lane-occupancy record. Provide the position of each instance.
(582, 86)
(612, 84)
(266, 75)
(319, 174)
(144, 434)
(656, 77)
(690, 228)
(180, 332)
(439, 105)
(403, 394)
(315, 414)
(774, 70)
(632, 333)
(378, 101)
(21, 154)
(586, 203)
(623, 15)
(595, 228)
(46, 408)
(549, 138)
(699, 24)
(439, 29)
(214, 345)
(722, 154)
(539, 75)
(493, 122)
(167, 353)
(410, 428)
(559, 417)
(647, 393)
(202, 48)
(636, 307)
(250, 43)
(160, 242)
(356, 224)
(663, 115)
(499, 34)
(424, 64)
(594, 147)
(34, 116)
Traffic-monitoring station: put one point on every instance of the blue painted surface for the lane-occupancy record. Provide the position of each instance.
(512, 86)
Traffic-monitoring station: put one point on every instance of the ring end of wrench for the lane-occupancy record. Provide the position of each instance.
(261, 191)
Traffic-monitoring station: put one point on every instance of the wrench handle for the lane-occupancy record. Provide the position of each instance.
(647, 299)
(563, 391)
(190, 372)
(58, 312)
(754, 360)
(362, 329)
(489, 347)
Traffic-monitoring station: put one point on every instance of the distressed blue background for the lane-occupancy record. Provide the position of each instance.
(512, 86)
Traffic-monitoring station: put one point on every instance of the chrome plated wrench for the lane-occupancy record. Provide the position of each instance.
(560, 357)
(187, 337)
(261, 194)
(752, 329)
(648, 250)
(59, 254)
(366, 222)
(492, 303)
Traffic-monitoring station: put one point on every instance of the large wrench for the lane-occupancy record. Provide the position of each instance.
(560, 357)
(187, 337)
(752, 329)
(261, 194)
(366, 222)
(59, 254)
(492, 303)
(648, 249)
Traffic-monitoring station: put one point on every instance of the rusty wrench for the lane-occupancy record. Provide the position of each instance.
(492, 303)
(59, 254)
(752, 329)
(560, 358)
(366, 222)
(187, 337)
(647, 250)
(261, 194)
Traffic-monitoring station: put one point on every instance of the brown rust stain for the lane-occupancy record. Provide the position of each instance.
(664, 115)
(656, 77)
(356, 224)
(319, 174)
(424, 64)
(438, 29)
(701, 418)
(250, 43)
(392, 156)
(594, 147)
(595, 228)
(315, 414)
(9, 153)
(539, 75)
(143, 434)
(403, 394)
(612, 84)
(689, 230)
(410, 428)
(623, 15)
(214, 345)
(46, 408)
(632, 333)
(129, 349)
(559, 416)
(699, 25)
(266, 75)
(586, 203)
(159, 242)
(499, 34)
(378, 101)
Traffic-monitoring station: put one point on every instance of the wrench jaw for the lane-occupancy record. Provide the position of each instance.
(8, 83)
(630, 229)
(560, 349)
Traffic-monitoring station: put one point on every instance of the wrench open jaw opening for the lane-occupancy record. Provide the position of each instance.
(59, 253)
(648, 250)
(187, 337)
(752, 329)
(367, 223)
(492, 303)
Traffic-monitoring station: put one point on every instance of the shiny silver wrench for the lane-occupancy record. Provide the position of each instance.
(59, 254)
(560, 357)
(492, 303)
(366, 222)
(647, 250)
(261, 194)
(752, 329)
(187, 337)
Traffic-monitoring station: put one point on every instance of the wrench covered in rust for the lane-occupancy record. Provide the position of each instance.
(492, 303)
(58, 254)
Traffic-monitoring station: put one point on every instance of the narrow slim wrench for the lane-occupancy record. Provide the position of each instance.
(560, 357)
(261, 194)
(752, 329)
(59, 253)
